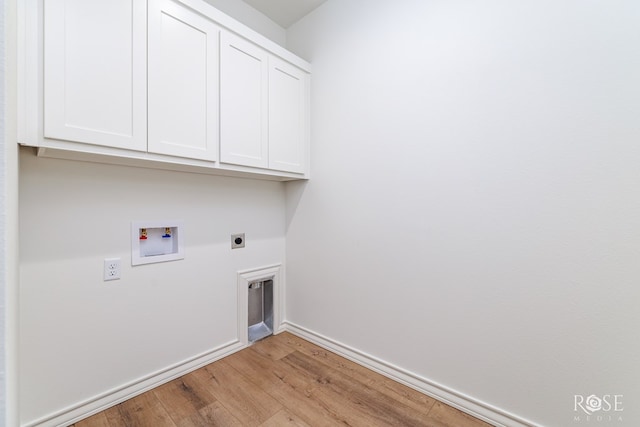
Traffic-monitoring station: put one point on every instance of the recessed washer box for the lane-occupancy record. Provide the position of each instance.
(156, 241)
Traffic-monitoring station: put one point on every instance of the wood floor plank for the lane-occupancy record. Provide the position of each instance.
(114, 416)
(192, 420)
(284, 418)
(251, 405)
(182, 400)
(351, 396)
(217, 415)
(387, 386)
(144, 410)
(276, 347)
(266, 372)
(291, 389)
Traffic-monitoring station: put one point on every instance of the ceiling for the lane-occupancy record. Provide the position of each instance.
(285, 12)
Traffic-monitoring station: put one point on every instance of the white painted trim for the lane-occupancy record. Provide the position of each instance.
(65, 150)
(77, 412)
(29, 71)
(21, 64)
(458, 400)
(9, 302)
(272, 272)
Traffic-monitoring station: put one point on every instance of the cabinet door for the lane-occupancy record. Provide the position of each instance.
(95, 72)
(243, 102)
(183, 82)
(287, 116)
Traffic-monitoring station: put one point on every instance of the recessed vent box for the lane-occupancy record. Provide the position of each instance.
(260, 309)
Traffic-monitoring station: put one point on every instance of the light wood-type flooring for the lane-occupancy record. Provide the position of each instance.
(282, 380)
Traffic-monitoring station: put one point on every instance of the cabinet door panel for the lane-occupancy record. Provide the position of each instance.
(95, 72)
(183, 82)
(243, 102)
(287, 117)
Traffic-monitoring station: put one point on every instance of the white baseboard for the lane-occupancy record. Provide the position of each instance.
(471, 406)
(444, 394)
(119, 394)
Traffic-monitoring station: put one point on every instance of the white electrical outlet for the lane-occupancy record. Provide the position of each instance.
(112, 269)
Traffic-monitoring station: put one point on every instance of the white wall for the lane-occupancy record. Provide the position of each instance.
(473, 215)
(3, 217)
(8, 218)
(252, 18)
(81, 336)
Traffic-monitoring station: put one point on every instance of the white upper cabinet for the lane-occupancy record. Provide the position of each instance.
(95, 72)
(288, 116)
(170, 84)
(263, 103)
(243, 102)
(183, 82)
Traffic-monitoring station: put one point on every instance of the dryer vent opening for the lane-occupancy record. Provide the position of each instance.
(260, 309)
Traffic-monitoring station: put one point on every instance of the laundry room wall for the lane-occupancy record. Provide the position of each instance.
(473, 216)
